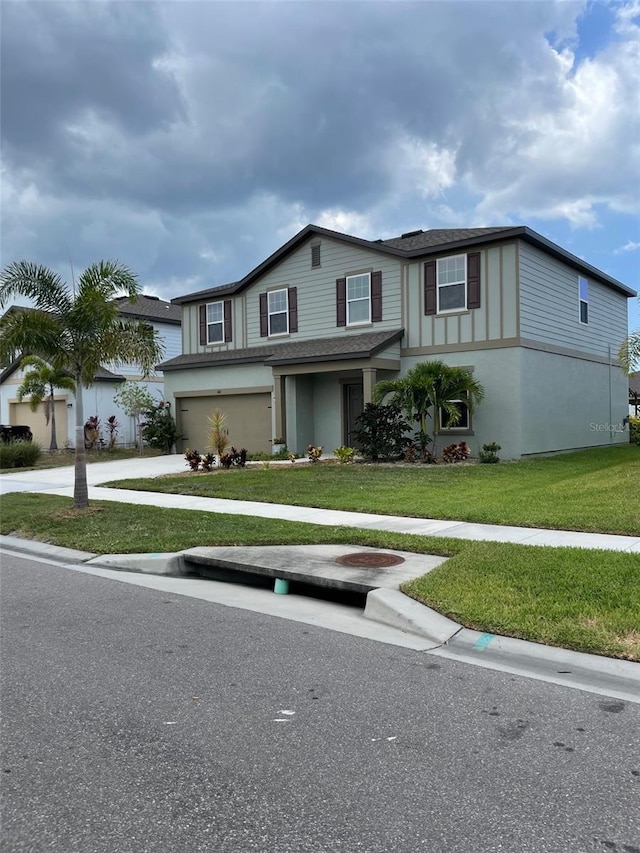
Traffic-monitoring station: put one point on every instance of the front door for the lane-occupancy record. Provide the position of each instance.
(353, 407)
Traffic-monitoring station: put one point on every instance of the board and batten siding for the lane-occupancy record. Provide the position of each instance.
(191, 326)
(550, 307)
(494, 320)
(316, 291)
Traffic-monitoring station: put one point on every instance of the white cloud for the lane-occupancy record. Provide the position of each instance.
(630, 246)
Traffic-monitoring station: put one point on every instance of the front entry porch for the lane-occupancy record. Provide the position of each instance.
(318, 404)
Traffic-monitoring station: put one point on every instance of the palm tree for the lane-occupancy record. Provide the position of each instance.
(76, 329)
(629, 353)
(40, 383)
(435, 386)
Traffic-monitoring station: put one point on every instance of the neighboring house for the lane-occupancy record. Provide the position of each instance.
(98, 399)
(634, 394)
(294, 348)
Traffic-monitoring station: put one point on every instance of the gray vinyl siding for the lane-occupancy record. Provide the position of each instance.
(495, 319)
(316, 290)
(549, 306)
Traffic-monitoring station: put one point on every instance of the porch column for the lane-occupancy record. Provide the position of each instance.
(368, 381)
(279, 402)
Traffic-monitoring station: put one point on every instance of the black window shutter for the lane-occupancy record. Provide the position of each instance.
(264, 319)
(293, 309)
(430, 299)
(341, 302)
(376, 296)
(228, 334)
(203, 325)
(473, 280)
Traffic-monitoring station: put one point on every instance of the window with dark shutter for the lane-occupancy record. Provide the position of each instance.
(315, 256)
(264, 317)
(293, 309)
(376, 296)
(228, 334)
(341, 302)
(203, 325)
(430, 306)
(473, 280)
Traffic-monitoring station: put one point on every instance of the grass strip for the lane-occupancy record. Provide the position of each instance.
(574, 598)
(592, 490)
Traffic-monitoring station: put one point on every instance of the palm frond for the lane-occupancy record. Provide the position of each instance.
(42, 286)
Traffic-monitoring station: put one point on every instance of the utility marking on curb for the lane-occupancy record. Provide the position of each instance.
(483, 641)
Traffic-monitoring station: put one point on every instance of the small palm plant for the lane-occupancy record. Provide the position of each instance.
(218, 434)
(39, 384)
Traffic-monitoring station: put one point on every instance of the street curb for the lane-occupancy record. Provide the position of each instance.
(394, 608)
(44, 549)
(612, 676)
(163, 564)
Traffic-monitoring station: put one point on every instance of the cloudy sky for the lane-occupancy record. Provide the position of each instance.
(191, 139)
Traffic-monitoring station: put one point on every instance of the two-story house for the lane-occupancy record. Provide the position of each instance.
(294, 348)
(98, 400)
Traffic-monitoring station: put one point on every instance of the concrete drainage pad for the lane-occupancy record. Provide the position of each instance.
(320, 565)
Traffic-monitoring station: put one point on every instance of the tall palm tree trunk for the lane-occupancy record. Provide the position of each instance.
(52, 413)
(80, 488)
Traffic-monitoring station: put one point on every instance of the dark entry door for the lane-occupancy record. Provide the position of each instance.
(353, 407)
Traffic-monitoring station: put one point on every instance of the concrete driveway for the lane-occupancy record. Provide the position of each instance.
(52, 479)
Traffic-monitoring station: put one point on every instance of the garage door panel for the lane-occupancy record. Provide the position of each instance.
(248, 420)
(20, 413)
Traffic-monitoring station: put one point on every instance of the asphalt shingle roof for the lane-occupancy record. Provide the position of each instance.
(316, 349)
(150, 308)
(440, 237)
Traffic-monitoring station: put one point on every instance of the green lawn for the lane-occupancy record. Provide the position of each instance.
(592, 490)
(584, 600)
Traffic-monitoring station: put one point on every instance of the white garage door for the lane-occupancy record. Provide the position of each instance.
(20, 413)
(248, 420)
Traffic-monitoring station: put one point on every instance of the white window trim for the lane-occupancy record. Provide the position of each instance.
(368, 321)
(215, 323)
(271, 313)
(459, 427)
(581, 300)
(451, 284)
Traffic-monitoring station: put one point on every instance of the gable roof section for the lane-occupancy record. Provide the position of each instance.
(317, 349)
(101, 375)
(415, 244)
(150, 308)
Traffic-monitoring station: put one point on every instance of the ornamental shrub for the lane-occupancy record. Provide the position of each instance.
(381, 431)
(634, 430)
(489, 453)
(19, 454)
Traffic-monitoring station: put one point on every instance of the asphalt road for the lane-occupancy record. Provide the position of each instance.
(136, 720)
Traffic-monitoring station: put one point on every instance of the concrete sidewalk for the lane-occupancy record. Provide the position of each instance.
(59, 481)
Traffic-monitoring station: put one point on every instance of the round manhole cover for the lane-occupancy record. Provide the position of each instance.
(369, 560)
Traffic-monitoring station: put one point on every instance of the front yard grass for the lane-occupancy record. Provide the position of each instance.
(578, 599)
(592, 490)
(64, 457)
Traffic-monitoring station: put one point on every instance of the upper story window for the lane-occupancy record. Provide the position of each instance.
(278, 309)
(279, 312)
(315, 255)
(215, 322)
(583, 293)
(452, 283)
(358, 299)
